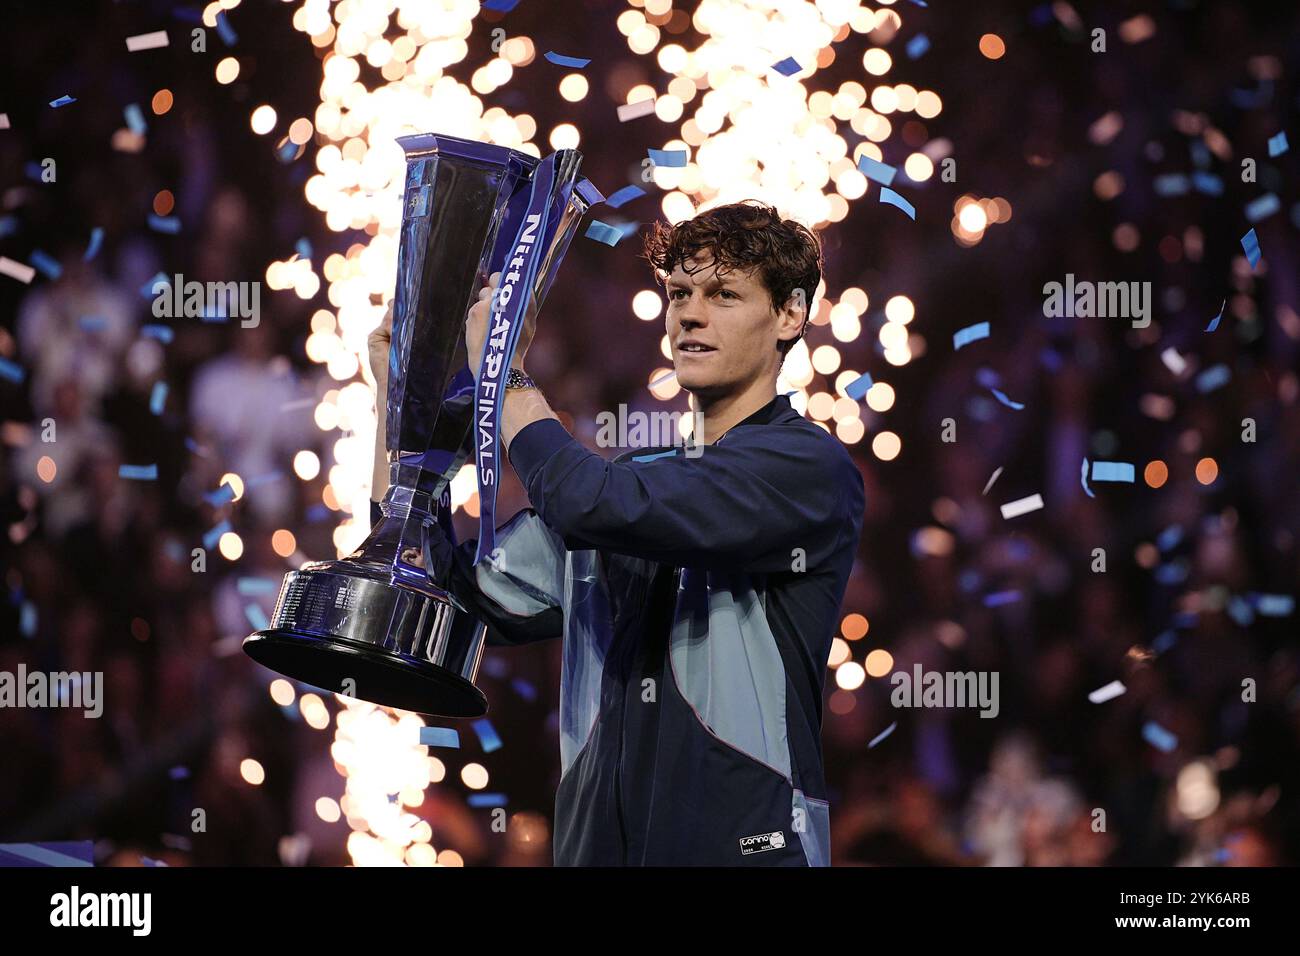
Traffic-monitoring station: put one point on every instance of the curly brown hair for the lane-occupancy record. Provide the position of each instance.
(744, 235)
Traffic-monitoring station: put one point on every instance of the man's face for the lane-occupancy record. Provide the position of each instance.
(723, 330)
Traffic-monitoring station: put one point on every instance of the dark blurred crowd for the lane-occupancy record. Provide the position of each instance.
(98, 569)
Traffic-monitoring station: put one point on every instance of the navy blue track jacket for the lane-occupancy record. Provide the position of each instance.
(696, 598)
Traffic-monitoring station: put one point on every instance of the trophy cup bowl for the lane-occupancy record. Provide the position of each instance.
(379, 624)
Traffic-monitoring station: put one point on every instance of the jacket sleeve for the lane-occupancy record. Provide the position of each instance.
(767, 500)
(518, 590)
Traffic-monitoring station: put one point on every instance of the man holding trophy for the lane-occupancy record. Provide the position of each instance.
(695, 595)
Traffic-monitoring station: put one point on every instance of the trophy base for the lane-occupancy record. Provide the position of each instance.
(392, 680)
(375, 631)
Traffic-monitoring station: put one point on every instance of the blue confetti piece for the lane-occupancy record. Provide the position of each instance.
(1169, 538)
(1113, 471)
(318, 512)
(877, 171)
(487, 800)
(92, 247)
(149, 861)
(135, 119)
(1207, 183)
(287, 152)
(46, 264)
(882, 735)
(8, 225)
(63, 100)
(1001, 397)
(1185, 619)
(1158, 737)
(603, 232)
(1200, 154)
(672, 158)
(1172, 573)
(1250, 245)
(196, 448)
(1083, 479)
(162, 333)
(859, 386)
(219, 497)
(624, 195)
(487, 735)
(303, 248)
(1164, 641)
(257, 587)
(34, 170)
(58, 853)
(1262, 208)
(920, 3)
(987, 377)
(440, 737)
(972, 333)
(260, 480)
(138, 472)
(1216, 376)
(256, 617)
(211, 538)
(28, 619)
(11, 370)
(1171, 184)
(179, 772)
(559, 59)
(999, 598)
(917, 46)
(524, 689)
(501, 6)
(147, 290)
(1214, 322)
(168, 224)
(652, 457)
(1273, 605)
(787, 67)
(1277, 145)
(158, 397)
(891, 198)
(224, 30)
(1239, 610)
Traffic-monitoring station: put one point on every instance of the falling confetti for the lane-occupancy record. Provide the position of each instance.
(1109, 692)
(882, 735)
(146, 41)
(891, 198)
(1013, 509)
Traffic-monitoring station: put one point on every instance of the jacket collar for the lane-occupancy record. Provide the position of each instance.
(778, 409)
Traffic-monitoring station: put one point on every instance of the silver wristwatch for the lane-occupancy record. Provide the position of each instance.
(518, 379)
